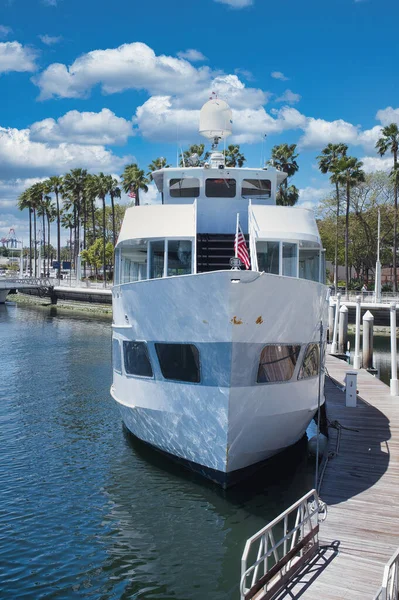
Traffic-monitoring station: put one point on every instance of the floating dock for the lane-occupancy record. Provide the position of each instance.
(361, 489)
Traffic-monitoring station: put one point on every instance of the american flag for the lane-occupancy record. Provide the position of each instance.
(240, 248)
(132, 194)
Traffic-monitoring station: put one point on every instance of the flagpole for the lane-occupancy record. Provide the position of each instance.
(236, 240)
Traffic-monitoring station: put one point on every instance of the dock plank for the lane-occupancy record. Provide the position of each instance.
(360, 487)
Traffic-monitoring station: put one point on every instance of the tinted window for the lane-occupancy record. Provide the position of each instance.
(179, 257)
(290, 253)
(116, 356)
(311, 362)
(220, 188)
(256, 188)
(309, 261)
(179, 362)
(277, 363)
(268, 254)
(188, 187)
(137, 361)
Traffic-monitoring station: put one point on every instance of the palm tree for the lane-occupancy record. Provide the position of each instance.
(99, 187)
(134, 180)
(156, 165)
(54, 185)
(114, 192)
(284, 159)
(91, 202)
(41, 212)
(348, 172)
(390, 141)
(233, 156)
(51, 213)
(36, 197)
(24, 201)
(74, 185)
(327, 160)
(68, 222)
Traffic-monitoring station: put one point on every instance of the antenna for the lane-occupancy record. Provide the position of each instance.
(261, 151)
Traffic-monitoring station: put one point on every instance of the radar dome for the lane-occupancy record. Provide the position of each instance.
(215, 119)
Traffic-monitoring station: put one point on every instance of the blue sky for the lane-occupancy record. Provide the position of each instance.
(98, 84)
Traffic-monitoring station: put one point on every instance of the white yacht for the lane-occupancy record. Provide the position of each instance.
(212, 364)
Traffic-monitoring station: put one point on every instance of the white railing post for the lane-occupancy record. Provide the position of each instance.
(356, 358)
(394, 364)
(335, 334)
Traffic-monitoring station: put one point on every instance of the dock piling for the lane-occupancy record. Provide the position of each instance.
(350, 389)
(331, 315)
(394, 363)
(343, 329)
(356, 358)
(368, 333)
(335, 333)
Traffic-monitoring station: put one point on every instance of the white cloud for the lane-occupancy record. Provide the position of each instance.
(192, 55)
(130, 66)
(375, 163)
(309, 197)
(236, 3)
(161, 118)
(151, 197)
(83, 128)
(289, 97)
(50, 2)
(388, 115)
(4, 31)
(279, 75)
(22, 157)
(318, 133)
(50, 40)
(15, 57)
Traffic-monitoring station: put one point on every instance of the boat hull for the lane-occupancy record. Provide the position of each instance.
(228, 421)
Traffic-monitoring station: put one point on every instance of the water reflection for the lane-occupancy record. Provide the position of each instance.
(89, 511)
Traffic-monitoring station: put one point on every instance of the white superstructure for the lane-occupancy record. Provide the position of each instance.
(217, 366)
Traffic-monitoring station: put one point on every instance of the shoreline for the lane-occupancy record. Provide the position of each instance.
(97, 310)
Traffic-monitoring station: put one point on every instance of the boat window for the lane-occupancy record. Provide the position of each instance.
(220, 188)
(179, 362)
(179, 257)
(311, 362)
(256, 188)
(157, 258)
(277, 362)
(268, 256)
(116, 356)
(290, 253)
(309, 263)
(133, 263)
(187, 187)
(137, 361)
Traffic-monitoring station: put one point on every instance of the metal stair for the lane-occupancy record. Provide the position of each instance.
(214, 251)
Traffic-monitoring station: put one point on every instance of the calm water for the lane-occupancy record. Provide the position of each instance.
(85, 511)
(381, 354)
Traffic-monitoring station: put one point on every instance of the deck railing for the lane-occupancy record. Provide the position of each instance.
(267, 564)
(390, 580)
(368, 297)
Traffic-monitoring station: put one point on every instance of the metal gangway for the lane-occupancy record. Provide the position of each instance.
(278, 551)
(390, 580)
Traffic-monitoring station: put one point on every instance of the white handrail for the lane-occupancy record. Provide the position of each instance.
(296, 542)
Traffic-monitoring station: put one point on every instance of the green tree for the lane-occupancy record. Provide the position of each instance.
(24, 201)
(54, 186)
(36, 198)
(348, 172)
(233, 156)
(156, 165)
(327, 162)
(389, 140)
(94, 255)
(99, 186)
(74, 186)
(284, 158)
(114, 191)
(134, 180)
(68, 222)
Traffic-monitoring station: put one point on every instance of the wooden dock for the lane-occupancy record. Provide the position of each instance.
(361, 488)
